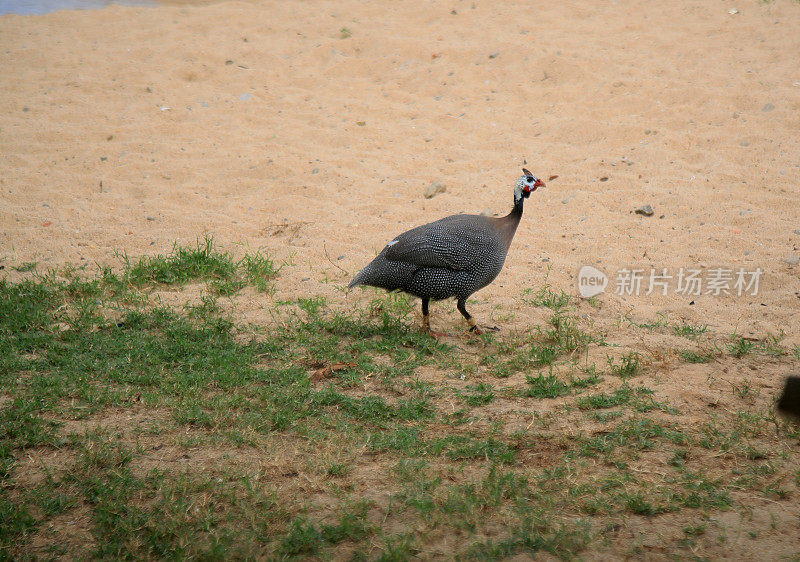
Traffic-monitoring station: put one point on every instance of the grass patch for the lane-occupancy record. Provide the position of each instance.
(259, 270)
(201, 262)
(639, 399)
(534, 534)
(25, 267)
(546, 386)
(629, 365)
(307, 538)
(479, 394)
(691, 331)
(336, 431)
(546, 297)
(691, 356)
(561, 339)
(740, 346)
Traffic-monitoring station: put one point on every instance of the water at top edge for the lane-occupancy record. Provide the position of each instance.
(35, 7)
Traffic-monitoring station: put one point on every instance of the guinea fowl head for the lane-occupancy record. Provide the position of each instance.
(526, 185)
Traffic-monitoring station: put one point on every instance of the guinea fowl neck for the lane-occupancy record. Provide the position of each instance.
(516, 212)
(508, 224)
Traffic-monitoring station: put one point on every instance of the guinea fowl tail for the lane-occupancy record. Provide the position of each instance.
(384, 274)
(358, 279)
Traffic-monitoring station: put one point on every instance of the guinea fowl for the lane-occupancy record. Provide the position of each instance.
(452, 257)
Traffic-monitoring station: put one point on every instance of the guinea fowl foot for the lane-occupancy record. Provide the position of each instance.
(426, 323)
(435, 335)
(480, 331)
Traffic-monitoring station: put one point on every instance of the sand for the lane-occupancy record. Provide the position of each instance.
(127, 129)
(311, 129)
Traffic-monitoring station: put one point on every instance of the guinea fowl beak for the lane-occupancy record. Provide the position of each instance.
(539, 183)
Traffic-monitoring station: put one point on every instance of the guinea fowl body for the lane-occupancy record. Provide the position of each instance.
(452, 257)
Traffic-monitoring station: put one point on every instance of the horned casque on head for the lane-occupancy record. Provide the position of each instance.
(526, 185)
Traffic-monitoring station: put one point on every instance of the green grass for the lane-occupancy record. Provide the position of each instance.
(638, 399)
(546, 386)
(694, 357)
(305, 537)
(201, 262)
(176, 432)
(592, 378)
(546, 297)
(629, 365)
(479, 394)
(740, 346)
(560, 340)
(25, 267)
(536, 534)
(690, 331)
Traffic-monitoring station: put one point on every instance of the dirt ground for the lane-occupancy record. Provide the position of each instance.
(311, 130)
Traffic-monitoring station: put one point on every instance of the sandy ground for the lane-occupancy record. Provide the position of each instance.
(130, 128)
(311, 129)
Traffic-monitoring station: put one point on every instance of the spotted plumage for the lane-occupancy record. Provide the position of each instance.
(452, 257)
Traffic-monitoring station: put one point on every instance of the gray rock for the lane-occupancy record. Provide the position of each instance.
(768, 107)
(645, 210)
(792, 260)
(434, 189)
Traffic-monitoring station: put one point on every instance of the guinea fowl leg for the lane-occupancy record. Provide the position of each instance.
(462, 308)
(473, 326)
(426, 317)
(426, 321)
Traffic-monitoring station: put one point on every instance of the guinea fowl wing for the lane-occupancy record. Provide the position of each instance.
(450, 243)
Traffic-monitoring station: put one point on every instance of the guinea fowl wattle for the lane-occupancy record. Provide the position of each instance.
(452, 257)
